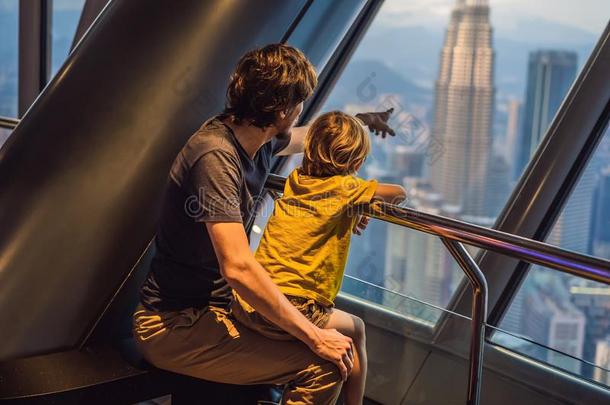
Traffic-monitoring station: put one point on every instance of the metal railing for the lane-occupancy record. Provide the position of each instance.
(453, 233)
(8, 122)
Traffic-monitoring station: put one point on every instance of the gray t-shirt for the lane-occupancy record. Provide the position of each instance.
(211, 180)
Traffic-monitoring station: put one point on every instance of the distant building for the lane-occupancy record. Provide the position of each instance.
(550, 74)
(498, 186)
(511, 138)
(593, 300)
(573, 227)
(558, 325)
(407, 161)
(602, 359)
(464, 104)
(600, 229)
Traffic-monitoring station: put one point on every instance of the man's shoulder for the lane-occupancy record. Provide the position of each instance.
(211, 137)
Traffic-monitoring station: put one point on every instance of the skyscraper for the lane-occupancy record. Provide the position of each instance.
(550, 74)
(601, 216)
(464, 103)
(497, 187)
(512, 132)
(556, 324)
(602, 359)
(573, 227)
(593, 301)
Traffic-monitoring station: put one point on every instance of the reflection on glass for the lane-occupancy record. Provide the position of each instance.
(405, 261)
(566, 313)
(9, 19)
(66, 14)
(416, 310)
(546, 354)
(400, 314)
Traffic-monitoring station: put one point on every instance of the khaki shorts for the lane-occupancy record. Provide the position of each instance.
(317, 314)
(209, 344)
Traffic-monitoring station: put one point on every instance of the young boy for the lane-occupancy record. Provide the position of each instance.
(306, 242)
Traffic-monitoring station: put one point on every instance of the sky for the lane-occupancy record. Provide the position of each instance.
(57, 4)
(587, 15)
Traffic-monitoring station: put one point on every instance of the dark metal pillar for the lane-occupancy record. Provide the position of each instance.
(35, 22)
(91, 9)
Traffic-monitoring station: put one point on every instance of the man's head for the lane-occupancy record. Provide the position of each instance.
(269, 86)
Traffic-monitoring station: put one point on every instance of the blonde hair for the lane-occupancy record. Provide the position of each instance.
(336, 144)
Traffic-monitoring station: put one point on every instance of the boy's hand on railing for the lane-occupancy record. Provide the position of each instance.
(360, 224)
(377, 122)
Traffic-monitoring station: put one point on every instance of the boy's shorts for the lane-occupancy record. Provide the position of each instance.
(317, 314)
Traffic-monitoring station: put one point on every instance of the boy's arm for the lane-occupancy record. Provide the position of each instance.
(246, 276)
(390, 193)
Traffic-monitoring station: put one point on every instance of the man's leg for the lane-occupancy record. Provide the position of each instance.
(211, 346)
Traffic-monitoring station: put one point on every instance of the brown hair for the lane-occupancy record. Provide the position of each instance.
(336, 144)
(268, 80)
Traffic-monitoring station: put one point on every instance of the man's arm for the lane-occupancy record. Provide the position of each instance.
(376, 122)
(297, 139)
(246, 276)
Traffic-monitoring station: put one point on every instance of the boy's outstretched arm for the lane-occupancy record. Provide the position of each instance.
(390, 193)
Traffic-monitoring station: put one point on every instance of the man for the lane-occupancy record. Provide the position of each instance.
(183, 323)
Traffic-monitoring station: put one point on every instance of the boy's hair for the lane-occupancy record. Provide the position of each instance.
(336, 144)
(268, 80)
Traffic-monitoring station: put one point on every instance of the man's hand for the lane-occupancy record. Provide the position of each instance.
(333, 346)
(377, 122)
(360, 224)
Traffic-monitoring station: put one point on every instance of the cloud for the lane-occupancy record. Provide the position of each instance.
(587, 15)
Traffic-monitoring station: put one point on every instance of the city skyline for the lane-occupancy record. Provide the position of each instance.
(416, 265)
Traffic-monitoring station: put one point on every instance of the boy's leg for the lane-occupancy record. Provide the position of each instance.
(211, 346)
(352, 326)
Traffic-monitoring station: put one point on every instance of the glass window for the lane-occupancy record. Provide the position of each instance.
(567, 314)
(4, 134)
(459, 74)
(66, 14)
(9, 21)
